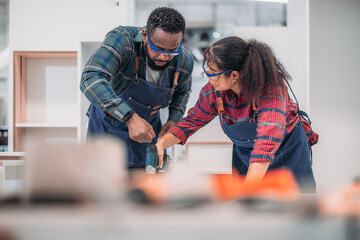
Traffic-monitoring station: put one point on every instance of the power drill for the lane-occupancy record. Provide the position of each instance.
(152, 160)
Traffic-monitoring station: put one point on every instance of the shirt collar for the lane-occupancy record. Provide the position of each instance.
(138, 37)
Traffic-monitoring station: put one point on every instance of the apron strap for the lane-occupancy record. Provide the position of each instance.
(220, 103)
(177, 73)
(302, 114)
(137, 60)
(254, 108)
(297, 103)
(254, 111)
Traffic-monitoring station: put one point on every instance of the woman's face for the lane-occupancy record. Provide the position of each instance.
(220, 82)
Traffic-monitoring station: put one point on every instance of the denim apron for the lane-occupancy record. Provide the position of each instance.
(146, 99)
(293, 153)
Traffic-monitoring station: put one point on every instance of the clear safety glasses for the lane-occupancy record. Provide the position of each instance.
(163, 52)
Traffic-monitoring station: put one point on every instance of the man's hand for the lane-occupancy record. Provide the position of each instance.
(139, 129)
(166, 127)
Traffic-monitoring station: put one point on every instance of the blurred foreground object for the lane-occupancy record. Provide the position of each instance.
(178, 184)
(277, 184)
(67, 172)
(6, 234)
(342, 202)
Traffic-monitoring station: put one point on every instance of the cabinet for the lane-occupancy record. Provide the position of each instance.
(3, 105)
(209, 150)
(46, 97)
(45, 100)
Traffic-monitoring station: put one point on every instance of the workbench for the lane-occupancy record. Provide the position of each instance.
(247, 219)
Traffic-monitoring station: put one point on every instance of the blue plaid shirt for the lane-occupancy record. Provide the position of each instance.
(111, 67)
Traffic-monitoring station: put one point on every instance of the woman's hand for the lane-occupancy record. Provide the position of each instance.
(163, 143)
(160, 150)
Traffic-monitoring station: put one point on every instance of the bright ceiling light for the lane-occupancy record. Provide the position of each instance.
(274, 1)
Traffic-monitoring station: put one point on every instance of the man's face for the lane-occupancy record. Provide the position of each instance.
(157, 43)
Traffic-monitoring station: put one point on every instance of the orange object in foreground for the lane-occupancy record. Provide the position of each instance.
(342, 202)
(279, 184)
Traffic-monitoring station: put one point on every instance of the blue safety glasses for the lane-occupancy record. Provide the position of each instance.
(209, 75)
(160, 51)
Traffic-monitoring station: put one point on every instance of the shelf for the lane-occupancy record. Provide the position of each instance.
(11, 156)
(44, 125)
(46, 94)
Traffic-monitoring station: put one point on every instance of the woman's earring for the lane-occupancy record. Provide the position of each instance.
(233, 81)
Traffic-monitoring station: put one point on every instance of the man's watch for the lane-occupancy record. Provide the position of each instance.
(128, 116)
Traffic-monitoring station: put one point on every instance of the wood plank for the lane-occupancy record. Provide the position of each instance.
(48, 54)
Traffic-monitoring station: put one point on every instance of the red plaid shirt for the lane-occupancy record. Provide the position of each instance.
(277, 117)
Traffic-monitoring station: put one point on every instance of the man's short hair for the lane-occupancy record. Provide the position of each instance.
(167, 19)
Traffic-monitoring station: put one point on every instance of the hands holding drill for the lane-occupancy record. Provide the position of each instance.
(141, 131)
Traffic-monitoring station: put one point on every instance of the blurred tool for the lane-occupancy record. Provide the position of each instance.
(278, 185)
(344, 201)
(152, 160)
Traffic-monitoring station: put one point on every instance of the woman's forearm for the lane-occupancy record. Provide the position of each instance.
(163, 143)
(167, 141)
(256, 171)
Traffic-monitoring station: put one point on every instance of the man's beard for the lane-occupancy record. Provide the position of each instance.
(151, 63)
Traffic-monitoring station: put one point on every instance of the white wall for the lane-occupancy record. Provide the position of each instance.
(289, 45)
(297, 54)
(61, 24)
(335, 99)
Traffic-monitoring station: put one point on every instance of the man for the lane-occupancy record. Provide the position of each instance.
(134, 73)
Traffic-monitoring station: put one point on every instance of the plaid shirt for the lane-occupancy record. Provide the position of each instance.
(277, 117)
(112, 66)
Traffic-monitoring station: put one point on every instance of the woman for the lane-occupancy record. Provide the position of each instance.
(247, 89)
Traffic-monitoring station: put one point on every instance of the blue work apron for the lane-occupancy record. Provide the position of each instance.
(145, 99)
(293, 153)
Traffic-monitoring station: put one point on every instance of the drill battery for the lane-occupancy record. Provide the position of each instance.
(152, 160)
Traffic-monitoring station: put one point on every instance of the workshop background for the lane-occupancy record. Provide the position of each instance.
(317, 40)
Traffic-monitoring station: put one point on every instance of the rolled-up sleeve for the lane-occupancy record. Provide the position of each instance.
(100, 70)
(271, 124)
(198, 116)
